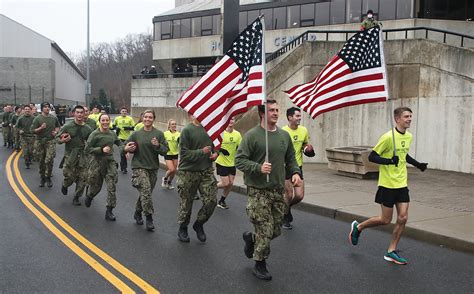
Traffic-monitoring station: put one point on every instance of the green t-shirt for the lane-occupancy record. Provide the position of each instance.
(230, 142)
(391, 176)
(299, 138)
(98, 140)
(173, 140)
(192, 140)
(125, 124)
(78, 133)
(251, 155)
(146, 154)
(14, 119)
(91, 123)
(6, 116)
(24, 123)
(51, 124)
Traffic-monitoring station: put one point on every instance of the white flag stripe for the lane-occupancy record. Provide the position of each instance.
(218, 125)
(348, 99)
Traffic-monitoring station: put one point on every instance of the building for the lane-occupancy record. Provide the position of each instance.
(34, 69)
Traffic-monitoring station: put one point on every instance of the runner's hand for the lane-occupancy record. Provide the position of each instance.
(266, 168)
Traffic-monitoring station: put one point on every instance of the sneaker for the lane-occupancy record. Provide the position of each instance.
(222, 204)
(196, 196)
(164, 183)
(354, 234)
(286, 223)
(395, 258)
(64, 190)
(170, 187)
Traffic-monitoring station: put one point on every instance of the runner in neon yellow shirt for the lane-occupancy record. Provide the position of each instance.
(95, 113)
(300, 139)
(393, 188)
(123, 125)
(225, 163)
(171, 158)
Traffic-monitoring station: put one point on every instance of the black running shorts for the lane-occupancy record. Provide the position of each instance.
(388, 197)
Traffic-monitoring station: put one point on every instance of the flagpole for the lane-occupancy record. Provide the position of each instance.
(392, 119)
(264, 88)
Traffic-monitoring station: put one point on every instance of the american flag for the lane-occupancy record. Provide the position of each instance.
(231, 86)
(355, 75)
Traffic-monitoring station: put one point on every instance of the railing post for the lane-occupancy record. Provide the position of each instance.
(406, 34)
(444, 38)
(426, 34)
(462, 41)
(347, 34)
(327, 36)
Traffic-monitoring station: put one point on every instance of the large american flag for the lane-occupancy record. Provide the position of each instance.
(231, 86)
(355, 75)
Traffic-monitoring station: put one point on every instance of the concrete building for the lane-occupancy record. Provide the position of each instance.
(34, 69)
(432, 78)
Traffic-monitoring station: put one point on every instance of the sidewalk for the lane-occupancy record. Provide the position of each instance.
(441, 208)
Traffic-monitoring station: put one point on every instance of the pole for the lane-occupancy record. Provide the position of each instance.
(87, 61)
(14, 92)
(264, 88)
(382, 59)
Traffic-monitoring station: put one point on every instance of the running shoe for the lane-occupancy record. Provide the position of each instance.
(164, 183)
(222, 204)
(170, 187)
(395, 258)
(354, 234)
(286, 223)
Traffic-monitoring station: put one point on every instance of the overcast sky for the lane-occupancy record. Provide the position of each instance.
(65, 21)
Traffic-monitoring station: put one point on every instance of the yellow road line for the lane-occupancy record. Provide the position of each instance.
(116, 282)
(107, 258)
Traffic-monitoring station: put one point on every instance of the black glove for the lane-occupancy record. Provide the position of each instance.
(117, 131)
(128, 128)
(422, 166)
(395, 160)
(223, 151)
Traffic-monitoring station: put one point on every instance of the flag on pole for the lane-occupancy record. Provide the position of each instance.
(231, 86)
(355, 75)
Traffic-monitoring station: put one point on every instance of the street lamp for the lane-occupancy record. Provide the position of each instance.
(88, 84)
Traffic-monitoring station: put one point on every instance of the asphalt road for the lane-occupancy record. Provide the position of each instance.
(315, 257)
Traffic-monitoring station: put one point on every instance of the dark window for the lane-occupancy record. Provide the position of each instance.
(370, 4)
(166, 30)
(216, 24)
(307, 15)
(354, 10)
(322, 14)
(176, 29)
(338, 11)
(157, 26)
(279, 18)
(196, 27)
(293, 16)
(252, 16)
(268, 17)
(242, 20)
(387, 9)
(186, 28)
(404, 9)
(206, 25)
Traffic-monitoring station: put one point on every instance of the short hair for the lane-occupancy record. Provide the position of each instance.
(102, 114)
(291, 111)
(370, 11)
(399, 110)
(261, 108)
(123, 107)
(26, 105)
(78, 107)
(17, 107)
(150, 111)
(96, 106)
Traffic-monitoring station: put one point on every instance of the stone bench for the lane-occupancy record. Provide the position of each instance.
(352, 161)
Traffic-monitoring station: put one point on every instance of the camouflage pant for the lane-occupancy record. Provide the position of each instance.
(188, 184)
(7, 135)
(46, 153)
(144, 180)
(27, 146)
(16, 137)
(97, 172)
(35, 150)
(75, 171)
(265, 209)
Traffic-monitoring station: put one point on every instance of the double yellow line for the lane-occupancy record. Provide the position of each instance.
(96, 265)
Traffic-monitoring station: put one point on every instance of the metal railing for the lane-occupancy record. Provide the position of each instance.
(161, 75)
(305, 36)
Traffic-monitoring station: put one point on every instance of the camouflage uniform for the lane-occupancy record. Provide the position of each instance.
(27, 138)
(144, 180)
(45, 143)
(369, 23)
(15, 131)
(188, 184)
(6, 129)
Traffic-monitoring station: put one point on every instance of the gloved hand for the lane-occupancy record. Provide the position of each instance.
(223, 151)
(395, 160)
(117, 131)
(422, 166)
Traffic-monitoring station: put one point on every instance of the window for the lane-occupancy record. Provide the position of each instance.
(354, 11)
(216, 24)
(252, 16)
(338, 11)
(293, 16)
(322, 14)
(370, 4)
(404, 9)
(196, 26)
(268, 16)
(242, 20)
(165, 30)
(176, 29)
(279, 18)
(387, 9)
(186, 28)
(307, 15)
(206, 25)
(157, 26)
